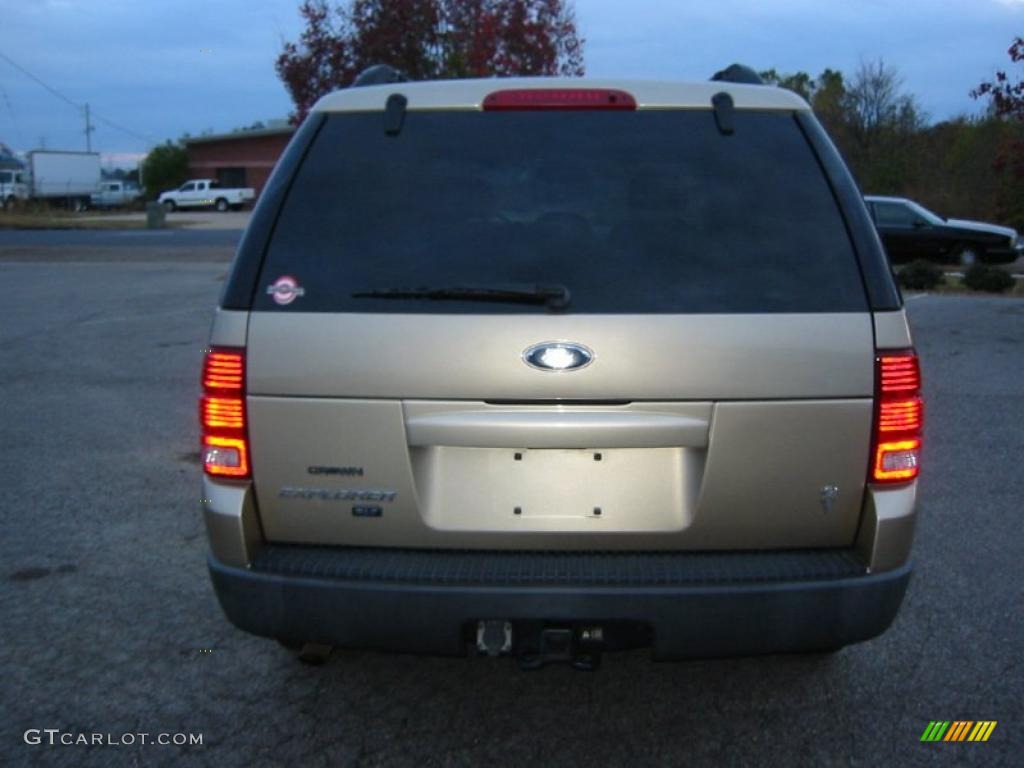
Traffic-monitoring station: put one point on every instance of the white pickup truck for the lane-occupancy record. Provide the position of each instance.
(206, 193)
(116, 194)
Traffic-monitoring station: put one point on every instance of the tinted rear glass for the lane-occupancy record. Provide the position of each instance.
(633, 212)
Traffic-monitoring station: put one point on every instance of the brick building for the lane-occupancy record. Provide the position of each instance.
(238, 159)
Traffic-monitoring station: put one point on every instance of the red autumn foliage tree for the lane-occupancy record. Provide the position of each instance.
(427, 39)
(1006, 100)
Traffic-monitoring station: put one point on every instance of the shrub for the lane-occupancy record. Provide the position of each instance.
(165, 167)
(920, 275)
(990, 279)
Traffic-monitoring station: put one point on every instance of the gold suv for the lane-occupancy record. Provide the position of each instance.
(554, 366)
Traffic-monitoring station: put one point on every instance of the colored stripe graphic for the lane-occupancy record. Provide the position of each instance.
(959, 730)
(935, 730)
(982, 730)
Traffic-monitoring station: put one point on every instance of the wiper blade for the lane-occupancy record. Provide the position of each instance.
(553, 296)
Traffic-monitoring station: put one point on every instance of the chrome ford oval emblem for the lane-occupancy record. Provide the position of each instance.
(558, 356)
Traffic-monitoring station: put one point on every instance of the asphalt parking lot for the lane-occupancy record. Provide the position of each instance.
(119, 245)
(110, 624)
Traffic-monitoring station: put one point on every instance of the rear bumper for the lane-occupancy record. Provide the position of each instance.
(695, 605)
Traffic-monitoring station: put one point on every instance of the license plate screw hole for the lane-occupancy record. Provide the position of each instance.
(517, 456)
(597, 457)
(517, 511)
(597, 511)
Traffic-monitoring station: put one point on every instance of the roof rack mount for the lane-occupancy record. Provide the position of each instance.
(379, 74)
(738, 73)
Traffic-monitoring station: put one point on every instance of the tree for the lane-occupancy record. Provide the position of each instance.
(826, 94)
(1007, 97)
(880, 127)
(1006, 104)
(875, 103)
(1006, 101)
(165, 167)
(800, 83)
(407, 35)
(427, 39)
(957, 167)
(828, 101)
(511, 37)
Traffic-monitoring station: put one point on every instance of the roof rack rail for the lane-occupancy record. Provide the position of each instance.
(379, 74)
(738, 73)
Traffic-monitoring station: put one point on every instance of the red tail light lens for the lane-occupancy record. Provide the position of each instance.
(222, 418)
(899, 373)
(900, 416)
(559, 98)
(223, 370)
(225, 412)
(899, 419)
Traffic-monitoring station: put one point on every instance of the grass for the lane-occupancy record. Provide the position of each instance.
(952, 286)
(68, 220)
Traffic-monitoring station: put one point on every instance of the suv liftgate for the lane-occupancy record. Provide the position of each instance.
(587, 356)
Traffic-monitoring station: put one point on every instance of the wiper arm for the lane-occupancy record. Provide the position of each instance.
(553, 296)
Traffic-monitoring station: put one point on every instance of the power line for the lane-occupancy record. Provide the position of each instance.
(28, 74)
(79, 107)
(112, 124)
(14, 117)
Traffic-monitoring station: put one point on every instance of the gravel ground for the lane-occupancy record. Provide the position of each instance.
(111, 627)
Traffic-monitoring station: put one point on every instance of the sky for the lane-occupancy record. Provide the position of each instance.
(152, 70)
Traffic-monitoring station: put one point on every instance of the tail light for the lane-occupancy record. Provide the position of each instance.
(224, 434)
(899, 418)
(558, 98)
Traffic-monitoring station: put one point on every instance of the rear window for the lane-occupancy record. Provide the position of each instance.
(632, 212)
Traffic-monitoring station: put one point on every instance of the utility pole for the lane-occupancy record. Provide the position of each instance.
(88, 130)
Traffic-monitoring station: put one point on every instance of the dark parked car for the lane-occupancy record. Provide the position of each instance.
(911, 231)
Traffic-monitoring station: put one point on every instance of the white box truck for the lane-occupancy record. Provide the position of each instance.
(68, 178)
(13, 187)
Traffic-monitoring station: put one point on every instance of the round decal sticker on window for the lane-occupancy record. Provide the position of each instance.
(285, 289)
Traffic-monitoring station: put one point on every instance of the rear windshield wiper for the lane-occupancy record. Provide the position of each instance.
(552, 296)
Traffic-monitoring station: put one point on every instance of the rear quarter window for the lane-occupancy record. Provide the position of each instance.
(633, 212)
